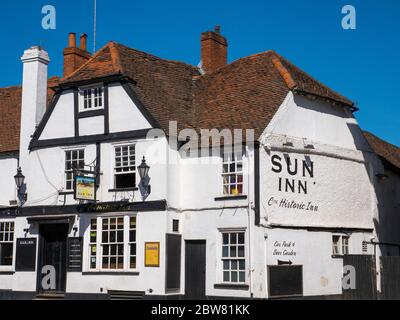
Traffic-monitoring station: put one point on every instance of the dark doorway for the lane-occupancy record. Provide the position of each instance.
(53, 253)
(365, 273)
(390, 278)
(195, 270)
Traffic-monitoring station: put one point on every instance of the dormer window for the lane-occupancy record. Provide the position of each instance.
(91, 98)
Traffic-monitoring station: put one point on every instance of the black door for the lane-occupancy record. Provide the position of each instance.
(195, 270)
(390, 278)
(365, 274)
(53, 258)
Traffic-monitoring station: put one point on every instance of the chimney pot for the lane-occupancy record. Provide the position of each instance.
(72, 40)
(217, 29)
(75, 57)
(83, 42)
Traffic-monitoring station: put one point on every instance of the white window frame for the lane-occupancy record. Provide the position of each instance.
(341, 244)
(221, 258)
(93, 98)
(72, 171)
(99, 245)
(12, 266)
(114, 170)
(232, 152)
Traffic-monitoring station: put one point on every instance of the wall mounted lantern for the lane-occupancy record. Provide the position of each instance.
(143, 170)
(20, 183)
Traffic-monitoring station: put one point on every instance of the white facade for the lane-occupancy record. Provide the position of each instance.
(332, 192)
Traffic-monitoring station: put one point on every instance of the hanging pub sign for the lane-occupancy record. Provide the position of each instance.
(152, 254)
(85, 187)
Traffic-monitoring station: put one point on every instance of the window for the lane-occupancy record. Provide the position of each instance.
(132, 243)
(6, 243)
(93, 244)
(232, 173)
(125, 168)
(112, 244)
(175, 225)
(92, 98)
(74, 160)
(233, 257)
(364, 247)
(340, 245)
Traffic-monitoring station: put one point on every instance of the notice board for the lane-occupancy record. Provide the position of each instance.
(26, 255)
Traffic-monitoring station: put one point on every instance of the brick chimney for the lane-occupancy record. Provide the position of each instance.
(75, 57)
(213, 50)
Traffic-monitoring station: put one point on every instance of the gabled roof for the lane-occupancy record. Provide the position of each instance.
(10, 115)
(244, 94)
(385, 150)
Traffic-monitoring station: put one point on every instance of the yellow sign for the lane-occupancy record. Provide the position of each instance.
(85, 188)
(152, 254)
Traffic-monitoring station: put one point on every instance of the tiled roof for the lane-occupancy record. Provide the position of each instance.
(385, 150)
(10, 108)
(10, 115)
(244, 94)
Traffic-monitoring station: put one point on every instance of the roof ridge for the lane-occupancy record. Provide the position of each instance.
(115, 56)
(285, 74)
(306, 74)
(154, 56)
(234, 63)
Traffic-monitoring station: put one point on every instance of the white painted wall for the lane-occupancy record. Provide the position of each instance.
(8, 169)
(91, 126)
(124, 114)
(61, 122)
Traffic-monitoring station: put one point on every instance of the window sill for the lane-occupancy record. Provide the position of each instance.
(228, 198)
(232, 286)
(6, 272)
(123, 189)
(110, 273)
(91, 113)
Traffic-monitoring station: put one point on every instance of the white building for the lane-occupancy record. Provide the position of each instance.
(275, 216)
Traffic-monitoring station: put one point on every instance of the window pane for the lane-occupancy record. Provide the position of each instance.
(133, 263)
(120, 236)
(6, 254)
(242, 277)
(225, 238)
(234, 276)
(225, 251)
(233, 252)
(234, 265)
(242, 265)
(125, 181)
(241, 238)
(241, 251)
(132, 236)
(226, 276)
(233, 238)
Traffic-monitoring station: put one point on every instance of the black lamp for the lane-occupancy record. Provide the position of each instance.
(143, 169)
(143, 173)
(19, 178)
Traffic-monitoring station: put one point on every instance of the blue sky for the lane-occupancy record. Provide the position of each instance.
(362, 64)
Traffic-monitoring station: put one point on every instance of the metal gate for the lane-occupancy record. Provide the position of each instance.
(365, 269)
(390, 278)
